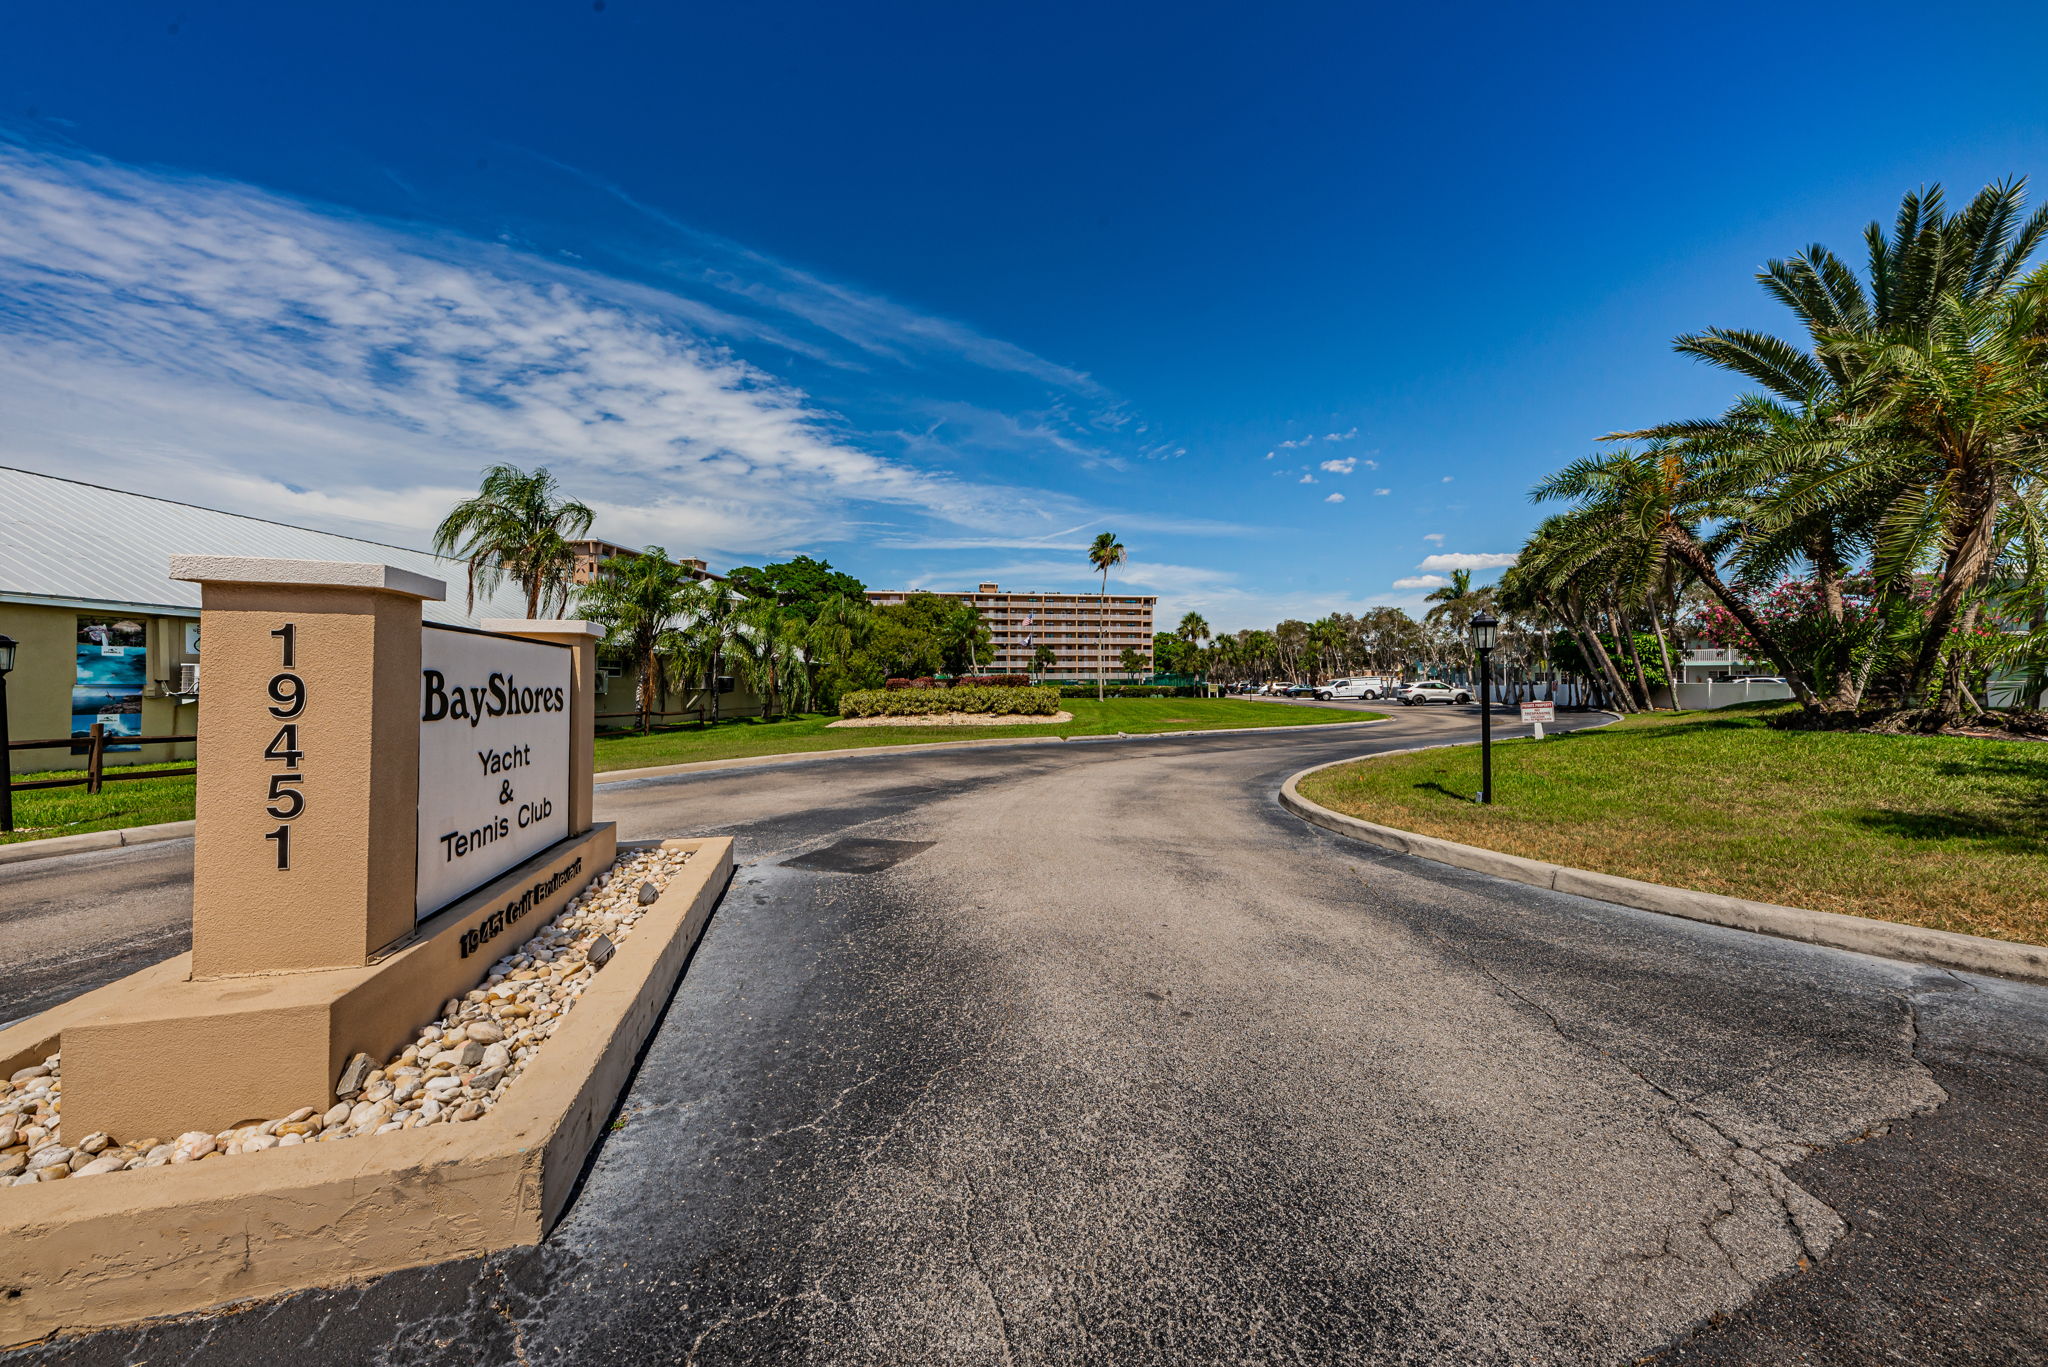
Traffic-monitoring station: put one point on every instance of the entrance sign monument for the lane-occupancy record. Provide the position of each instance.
(385, 809)
(369, 783)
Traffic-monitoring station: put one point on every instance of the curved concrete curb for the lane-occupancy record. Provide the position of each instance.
(93, 840)
(1886, 939)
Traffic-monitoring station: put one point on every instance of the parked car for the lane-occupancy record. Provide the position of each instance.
(1300, 690)
(1432, 690)
(1352, 688)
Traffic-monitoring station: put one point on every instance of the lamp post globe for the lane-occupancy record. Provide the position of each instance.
(1485, 634)
(6, 656)
(1484, 630)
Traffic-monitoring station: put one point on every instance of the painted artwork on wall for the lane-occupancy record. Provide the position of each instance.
(113, 667)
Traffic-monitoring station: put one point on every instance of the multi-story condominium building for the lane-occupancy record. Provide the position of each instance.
(592, 555)
(1084, 629)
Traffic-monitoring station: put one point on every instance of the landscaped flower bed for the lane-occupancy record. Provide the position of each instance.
(973, 698)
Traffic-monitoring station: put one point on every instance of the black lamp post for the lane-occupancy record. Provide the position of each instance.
(1485, 633)
(6, 755)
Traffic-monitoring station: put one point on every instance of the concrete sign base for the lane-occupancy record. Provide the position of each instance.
(90, 1254)
(269, 1045)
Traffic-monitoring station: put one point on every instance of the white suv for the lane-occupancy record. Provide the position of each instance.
(1431, 690)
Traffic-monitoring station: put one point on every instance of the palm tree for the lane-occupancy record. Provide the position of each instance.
(1042, 659)
(768, 647)
(711, 611)
(515, 525)
(1639, 510)
(1909, 424)
(1193, 628)
(637, 600)
(837, 633)
(1104, 553)
(1953, 425)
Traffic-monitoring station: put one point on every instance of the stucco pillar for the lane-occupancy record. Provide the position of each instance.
(309, 768)
(582, 638)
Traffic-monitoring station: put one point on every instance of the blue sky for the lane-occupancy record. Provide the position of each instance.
(1299, 300)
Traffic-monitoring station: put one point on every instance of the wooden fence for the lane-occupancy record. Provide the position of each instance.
(96, 742)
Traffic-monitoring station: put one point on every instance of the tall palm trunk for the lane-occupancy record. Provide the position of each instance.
(1968, 563)
(646, 689)
(1596, 652)
(1101, 632)
(1844, 689)
(1626, 640)
(1664, 649)
(1616, 689)
(1695, 558)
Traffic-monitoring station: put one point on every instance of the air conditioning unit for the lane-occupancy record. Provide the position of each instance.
(188, 683)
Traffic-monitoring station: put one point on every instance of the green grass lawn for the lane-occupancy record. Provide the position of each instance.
(70, 811)
(1933, 831)
(1133, 716)
(46, 812)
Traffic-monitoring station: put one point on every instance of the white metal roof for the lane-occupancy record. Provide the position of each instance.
(71, 544)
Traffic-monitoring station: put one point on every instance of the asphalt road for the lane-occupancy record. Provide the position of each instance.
(1090, 1054)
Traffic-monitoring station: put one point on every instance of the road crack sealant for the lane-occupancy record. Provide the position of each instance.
(1745, 1169)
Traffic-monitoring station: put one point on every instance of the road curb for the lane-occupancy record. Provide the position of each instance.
(1885, 939)
(93, 840)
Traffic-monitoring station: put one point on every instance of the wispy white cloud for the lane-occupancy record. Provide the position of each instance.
(1381, 493)
(1334, 498)
(869, 321)
(1449, 478)
(210, 341)
(1341, 467)
(1421, 581)
(1307, 479)
(1341, 436)
(1468, 560)
(1437, 537)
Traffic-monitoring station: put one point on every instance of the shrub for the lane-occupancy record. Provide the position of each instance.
(993, 681)
(1131, 691)
(915, 702)
(893, 684)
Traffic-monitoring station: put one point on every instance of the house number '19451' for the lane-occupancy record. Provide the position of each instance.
(286, 802)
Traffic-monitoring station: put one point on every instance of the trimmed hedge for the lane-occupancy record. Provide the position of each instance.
(964, 681)
(925, 702)
(1130, 690)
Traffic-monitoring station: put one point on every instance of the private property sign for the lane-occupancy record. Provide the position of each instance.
(1539, 711)
(494, 758)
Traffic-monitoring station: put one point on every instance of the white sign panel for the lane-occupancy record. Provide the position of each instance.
(494, 758)
(1545, 710)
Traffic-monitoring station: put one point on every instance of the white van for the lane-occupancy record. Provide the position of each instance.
(1368, 686)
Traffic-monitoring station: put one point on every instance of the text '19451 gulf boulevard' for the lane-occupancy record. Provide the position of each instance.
(494, 758)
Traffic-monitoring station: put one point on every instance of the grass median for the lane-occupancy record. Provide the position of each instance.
(1945, 832)
(744, 738)
(44, 812)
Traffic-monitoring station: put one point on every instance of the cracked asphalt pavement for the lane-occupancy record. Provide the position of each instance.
(1091, 1054)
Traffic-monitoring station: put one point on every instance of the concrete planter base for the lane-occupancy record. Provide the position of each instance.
(95, 1252)
(1887, 939)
